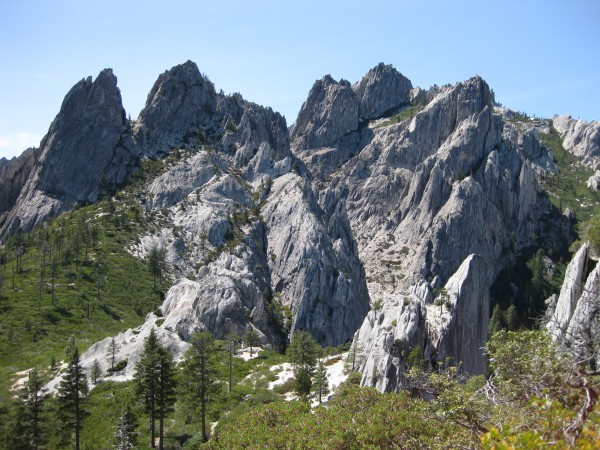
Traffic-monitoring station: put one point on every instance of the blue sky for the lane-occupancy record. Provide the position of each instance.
(541, 57)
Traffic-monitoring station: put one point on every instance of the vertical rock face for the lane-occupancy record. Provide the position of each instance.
(381, 90)
(570, 293)
(88, 148)
(575, 319)
(461, 330)
(329, 113)
(13, 176)
(180, 105)
(314, 267)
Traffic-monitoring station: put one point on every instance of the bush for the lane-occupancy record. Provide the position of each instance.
(118, 367)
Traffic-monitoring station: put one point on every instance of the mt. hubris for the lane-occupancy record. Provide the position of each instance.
(387, 215)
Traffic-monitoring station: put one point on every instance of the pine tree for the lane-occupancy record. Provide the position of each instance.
(156, 263)
(511, 318)
(99, 275)
(53, 275)
(145, 377)
(199, 373)
(166, 390)
(95, 371)
(496, 321)
(27, 432)
(251, 339)
(232, 342)
(303, 352)
(155, 379)
(72, 392)
(111, 353)
(321, 382)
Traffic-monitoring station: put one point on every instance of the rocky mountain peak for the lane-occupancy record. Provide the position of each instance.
(182, 101)
(90, 97)
(382, 89)
(87, 149)
(329, 112)
(334, 109)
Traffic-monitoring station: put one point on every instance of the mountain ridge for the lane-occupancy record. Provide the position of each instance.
(377, 192)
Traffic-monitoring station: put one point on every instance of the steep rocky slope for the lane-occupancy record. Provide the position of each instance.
(243, 229)
(441, 195)
(13, 176)
(412, 200)
(574, 316)
(87, 149)
(580, 138)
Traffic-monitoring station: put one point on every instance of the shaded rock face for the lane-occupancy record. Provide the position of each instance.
(180, 105)
(580, 138)
(381, 90)
(313, 262)
(13, 176)
(460, 331)
(329, 113)
(88, 149)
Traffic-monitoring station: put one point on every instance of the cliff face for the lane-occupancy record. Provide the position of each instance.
(575, 317)
(441, 195)
(13, 176)
(251, 232)
(87, 150)
(380, 193)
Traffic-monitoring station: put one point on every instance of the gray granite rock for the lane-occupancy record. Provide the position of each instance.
(580, 138)
(87, 150)
(329, 113)
(383, 89)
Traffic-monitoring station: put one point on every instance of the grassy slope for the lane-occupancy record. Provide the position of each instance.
(33, 330)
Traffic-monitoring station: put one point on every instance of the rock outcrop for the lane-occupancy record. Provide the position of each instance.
(129, 347)
(423, 192)
(580, 138)
(593, 182)
(328, 114)
(460, 323)
(575, 278)
(13, 176)
(87, 150)
(251, 232)
(179, 110)
(382, 90)
(574, 320)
